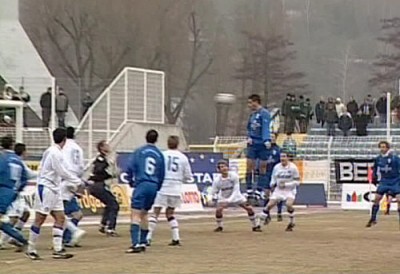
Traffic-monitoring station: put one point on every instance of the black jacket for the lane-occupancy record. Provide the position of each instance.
(320, 110)
(99, 171)
(352, 107)
(381, 105)
(361, 122)
(345, 122)
(45, 100)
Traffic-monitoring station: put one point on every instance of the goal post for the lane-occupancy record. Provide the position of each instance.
(11, 119)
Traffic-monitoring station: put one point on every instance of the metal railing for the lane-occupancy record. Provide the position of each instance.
(135, 95)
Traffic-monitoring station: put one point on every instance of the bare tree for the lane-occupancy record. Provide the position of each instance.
(387, 66)
(74, 39)
(197, 69)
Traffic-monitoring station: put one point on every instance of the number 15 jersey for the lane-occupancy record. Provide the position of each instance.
(177, 171)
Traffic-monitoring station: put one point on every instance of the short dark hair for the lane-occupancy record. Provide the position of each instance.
(151, 136)
(173, 142)
(7, 142)
(222, 162)
(70, 133)
(384, 143)
(100, 145)
(289, 133)
(255, 98)
(19, 149)
(59, 135)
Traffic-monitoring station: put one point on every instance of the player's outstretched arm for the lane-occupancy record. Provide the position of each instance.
(30, 173)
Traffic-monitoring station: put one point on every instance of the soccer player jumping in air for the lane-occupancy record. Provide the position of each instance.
(258, 141)
(226, 191)
(386, 174)
(145, 171)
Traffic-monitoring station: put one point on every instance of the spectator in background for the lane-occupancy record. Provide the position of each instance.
(345, 123)
(88, 101)
(309, 113)
(320, 111)
(361, 121)
(8, 92)
(289, 146)
(340, 107)
(296, 112)
(291, 114)
(331, 118)
(381, 107)
(45, 104)
(302, 116)
(26, 98)
(352, 107)
(285, 111)
(61, 107)
(367, 108)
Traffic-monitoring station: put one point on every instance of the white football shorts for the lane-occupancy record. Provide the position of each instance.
(283, 195)
(47, 200)
(163, 200)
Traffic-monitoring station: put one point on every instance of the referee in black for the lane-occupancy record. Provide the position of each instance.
(100, 190)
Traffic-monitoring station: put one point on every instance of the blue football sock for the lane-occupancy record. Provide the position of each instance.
(143, 236)
(67, 234)
(13, 233)
(280, 206)
(135, 234)
(375, 209)
(249, 180)
(262, 181)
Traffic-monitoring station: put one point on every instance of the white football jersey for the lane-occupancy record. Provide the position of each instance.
(52, 169)
(73, 158)
(286, 174)
(227, 189)
(177, 171)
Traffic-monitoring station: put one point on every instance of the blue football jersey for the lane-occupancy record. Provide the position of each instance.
(258, 126)
(13, 172)
(146, 165)
(387, 169)
(274, 157)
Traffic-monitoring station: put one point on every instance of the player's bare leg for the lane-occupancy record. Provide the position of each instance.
(219, 217)
(169, 213)
(375, 210)
(290, 210)
(252, 217)
(279, 207)
(250, 169)
(389, 201)
(265, 217)
(153, 220)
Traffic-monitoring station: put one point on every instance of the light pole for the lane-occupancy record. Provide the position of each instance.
(223, 102)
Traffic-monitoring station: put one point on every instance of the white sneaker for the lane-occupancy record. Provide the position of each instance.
(77, 236)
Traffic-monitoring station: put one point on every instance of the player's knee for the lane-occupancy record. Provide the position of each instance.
(25, 216)
(77, 215)
(169, 212)
(290, 208)
(250, 211)
(218, 214)
(4, 219)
